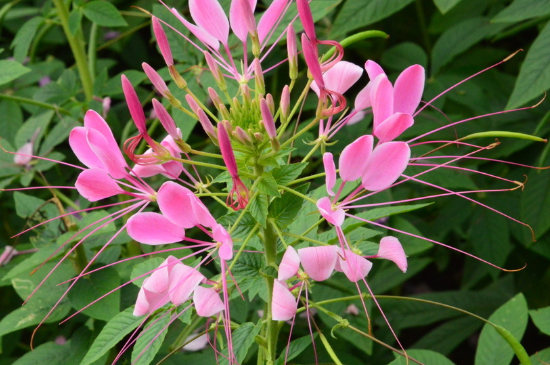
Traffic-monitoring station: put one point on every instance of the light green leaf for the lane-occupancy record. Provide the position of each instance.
(285, 209)
(47, 353)
(11, 70)
(296, 347)
(445, 5)
(492, 348)
(541, 357)
(287, 173)
(91, 287)
(541, 318)
(150, 339)
(424, 356)
(519, 10)
(357, 14)
(31, 314)
(103, 13)
(534, 75)
(258, 209)
(243, 338)
(268, 185)
(75, 18)
(114, 331)
(23, 39)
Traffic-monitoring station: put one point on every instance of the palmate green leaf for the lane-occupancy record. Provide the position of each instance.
(534, 75)
(150, 339)
(535, 199)
(285, 209)
(424, 356)
(243, 338)
(103, 13)
(296, 348)
(357, 14)
(287, 173)
(268, 185)
(24, 37)
(541, 318)
(492, 348)
(519, 10)
(114, 331)
(445, 5)
(258, 209)
(93, 286)
(11, 70)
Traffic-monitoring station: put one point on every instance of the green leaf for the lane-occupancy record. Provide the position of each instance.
(541, 318)
(268, 185)
(459, 38)
(541, 357)
(75, 18)
(492, 348)
(285, 209)
(30, 127)
(258, 209)
(534, 75)
(449, 335)
(445, 5)
(536, 198)
(424, 356)
(23, 39)
(377, 213)
(30, 315)
(243, 338)
(249, 265)
(91, 287)
(296, 347)
(150, 339)
(48, 353)
(519, 10)
(403, 55)
(357, 14)
(287, 173)
(114, 331)
(103, 13)
(11, 70)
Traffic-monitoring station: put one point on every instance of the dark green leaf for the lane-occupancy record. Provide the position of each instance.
(75, 18)
(403, 55)
(258, 209)
(519, 10)
(287, 207)
(30, 315)
(296, 347)
(243, 338)
(534, 76)
(11, 70)
(268, 185)
(23, 39)
(541, 357)
(48, 353)
(446, 337)
(445, 5)
(150, 339)
(287, 173)
(103, 13)
(424, 356)
(534, 202)
(541, 318)
(38, 122)
(490, 238)
(114, 331)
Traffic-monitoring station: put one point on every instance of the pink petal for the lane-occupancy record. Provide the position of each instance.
(82, 150)
(241, 16)
(386, 163)
(183, 281)
(96, 184)
(304, 11)
(175, 204)
(391, 249)
(25, 155)
(197, 344)
(207, 302)
(159, 280)
(392, 127)
(142, 305)
(162, 41)
(342, 76)
(209, 15)
(362, 100)
(270, 17)
(373, 69)
(354, 157)
(220, 235)
(382, 99)
(357, 117)
(165, 119)
(408, 89)
(154, 229)
(267, 118)
(289, 264)
(200, 33)
(148, 302)
(201, 213)
(354, 266)
(112, 160)
(330, 172)
(95, 121)
(318, 262)
(134, 105)
(312, 60)
(334, 217)
(283, 305)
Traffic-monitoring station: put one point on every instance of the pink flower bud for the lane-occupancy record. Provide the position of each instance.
(292, 49)
(162, 41)
(192, 103)
(285, 102)
(283, 303)
(259, 77)
(206, 124)
(166, 120)
(156, 80)
(242, 136)
(267, 118)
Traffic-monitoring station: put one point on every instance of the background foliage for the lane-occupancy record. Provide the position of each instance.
(55, 65)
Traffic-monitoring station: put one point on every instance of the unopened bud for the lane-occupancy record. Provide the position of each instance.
(292, 49)
(216, 100)
(162, 41)
(259, 136)
(242, 136)
(270, 103)
(216, 73)
(259, 77)
(182, 84)
(285, 103)
(156, 80)
(245, 90)
(207, 125)
(192, 103)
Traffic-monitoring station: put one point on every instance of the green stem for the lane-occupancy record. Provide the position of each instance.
(329, 349)
(302, 131)
(270, 245)
(77, 47)
(198, 163)
(245, 242)
(304, 238)
(292, 191)
(298, 102)
(280, 234)
(313, 226)
(307, 178)
(92, 52)
(20, 99)
(317, 144)
(207, 154)
(355, 38)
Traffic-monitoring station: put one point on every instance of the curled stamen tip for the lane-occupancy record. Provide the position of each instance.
(537, 104)
(512, 55)
(493, 145)
(515, 270)
(147, 12)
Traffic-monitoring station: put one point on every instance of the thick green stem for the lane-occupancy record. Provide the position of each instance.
(270, 245)
(77, 47)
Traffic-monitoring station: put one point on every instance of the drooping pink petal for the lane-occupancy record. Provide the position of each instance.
(392, 127)
(141, 307)
(381, 95)
(342, 76)
(183, 281)
(198, 32)
(312, 60)
(81, 148)
(112, 159)
(134, 105)
(330, 172)
(162, 41)
(95, 121)
(209, 15)
(175, 204)
(318, 262)
(201, 213)
(357, 117)
(207, 302)
(226, 248)
(289, 264)
(24, 155)
(241, 17)
(283, 305)
(148, 302)
(408, 89)
(355, 267)
(334, 217)
(227, 151)
(159, 280)
(304, 11)
(373, 70)
(154, 229)
(386, 163)
(362, 100)
(96, 184)
(148, 170)
(391, 249)
(354, 157)
(156, 80)
(270, 17)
